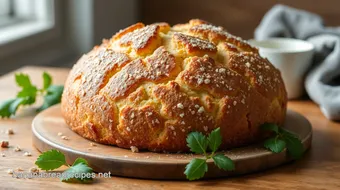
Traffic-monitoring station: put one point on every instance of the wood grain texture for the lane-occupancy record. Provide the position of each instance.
(123, 162)
(319, 169)
(238, 17)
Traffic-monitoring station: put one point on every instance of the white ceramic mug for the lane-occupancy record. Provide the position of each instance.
(292, 57)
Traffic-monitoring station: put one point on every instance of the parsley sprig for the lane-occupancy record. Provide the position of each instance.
(283, 139)
(28, 95)
(198, 143)
(79, 171)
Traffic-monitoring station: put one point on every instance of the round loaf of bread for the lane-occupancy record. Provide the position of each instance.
(149, 86)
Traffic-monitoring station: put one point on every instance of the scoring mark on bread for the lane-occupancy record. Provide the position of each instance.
(142, 40)
(154, 68)
(193, 45)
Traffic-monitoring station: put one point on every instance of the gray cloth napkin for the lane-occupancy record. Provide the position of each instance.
(322, 82)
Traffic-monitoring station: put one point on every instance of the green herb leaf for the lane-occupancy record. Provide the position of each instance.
(223, 162)
(293, 143)
(9, 107)
(5, 108)
(51, 160)
(196, 169)
(47, 80)
(28, 91)
(16, 103)
(197, 142)
(270, 127)
(52, 97)
(28, 94)
(79, 172)
(23, 80)
(283, 139)
(80, 160)
(215, 139)
(275, 144)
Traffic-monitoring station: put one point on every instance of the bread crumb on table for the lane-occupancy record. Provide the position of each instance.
(64, 137)
(134, 149)
(9, 132)
(60, 134)
(27, 154)
(17, 149)
(10, 171)
(92, 144)
(34, 170)
(4, 144)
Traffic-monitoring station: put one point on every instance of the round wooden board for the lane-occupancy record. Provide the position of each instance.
(122, 162)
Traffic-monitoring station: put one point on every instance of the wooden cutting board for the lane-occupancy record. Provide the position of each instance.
(123, 162)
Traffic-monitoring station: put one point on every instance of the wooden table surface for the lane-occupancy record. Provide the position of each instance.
(319, 169)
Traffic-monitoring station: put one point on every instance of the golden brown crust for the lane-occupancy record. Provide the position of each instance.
(163, 26)
(149, 86)
(127, 30)
(218, 34)
(193, 45)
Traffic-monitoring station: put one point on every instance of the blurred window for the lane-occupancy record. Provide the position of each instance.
(23, 18)
(5, 7)
(6, 10)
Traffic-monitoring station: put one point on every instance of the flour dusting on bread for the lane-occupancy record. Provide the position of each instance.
(149, 86)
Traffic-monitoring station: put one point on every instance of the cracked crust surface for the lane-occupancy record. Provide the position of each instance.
(149, 86)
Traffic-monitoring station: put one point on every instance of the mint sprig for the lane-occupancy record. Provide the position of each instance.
(79, 171)
(198, 143)
(283, 139)
(28, 95)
